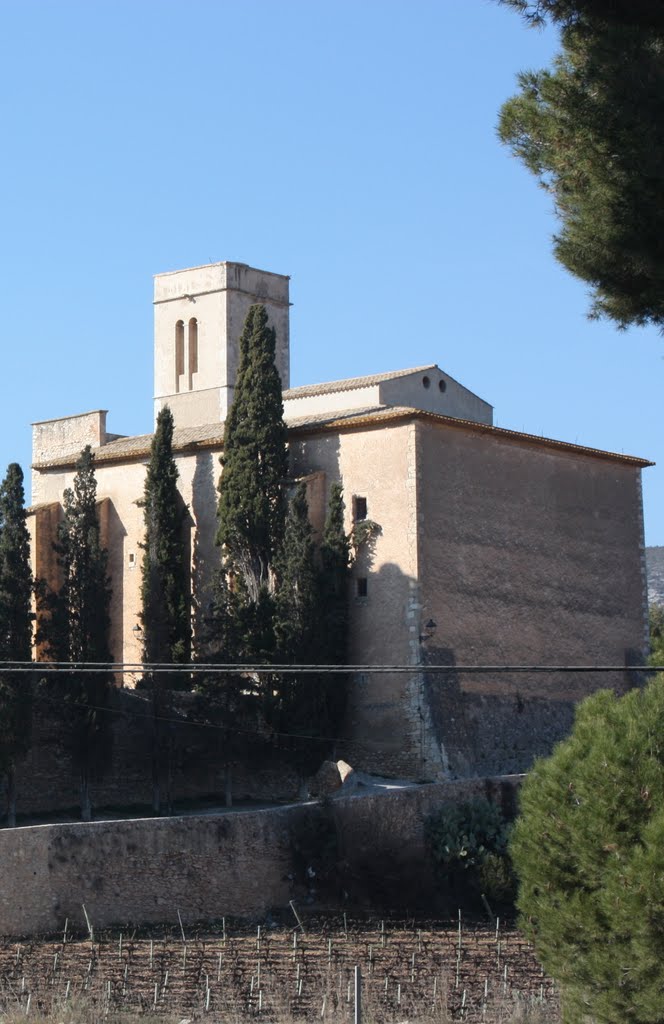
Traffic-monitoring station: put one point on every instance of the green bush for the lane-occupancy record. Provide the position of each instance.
(468, 844)
(496, 879)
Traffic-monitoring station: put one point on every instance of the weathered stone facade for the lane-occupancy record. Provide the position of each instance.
(522, 550)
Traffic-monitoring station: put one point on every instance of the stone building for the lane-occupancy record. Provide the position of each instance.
(495, 547)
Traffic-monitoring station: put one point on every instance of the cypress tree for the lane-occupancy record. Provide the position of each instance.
(77, 630)
(296, 712)
(165, 613)
(236, 630)
(335, 565)
(15, 629)
(255, 463)
(251, 500)
(311, 621)
(250, 516)
(334, 617)
(297, 596)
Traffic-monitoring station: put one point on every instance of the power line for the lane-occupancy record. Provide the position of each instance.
(66, 668)
(196, 668)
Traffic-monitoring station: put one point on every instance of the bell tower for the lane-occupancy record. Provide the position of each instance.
(198, 319)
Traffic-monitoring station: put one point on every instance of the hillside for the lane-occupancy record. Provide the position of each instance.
(655, 570)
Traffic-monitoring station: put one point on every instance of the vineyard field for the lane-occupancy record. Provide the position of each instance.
(411, 971)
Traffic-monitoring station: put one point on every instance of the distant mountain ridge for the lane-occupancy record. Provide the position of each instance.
(655, 573)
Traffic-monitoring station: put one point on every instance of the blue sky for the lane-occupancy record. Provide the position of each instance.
(350, 144)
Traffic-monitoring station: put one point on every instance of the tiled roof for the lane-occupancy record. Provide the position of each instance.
(337, 417)
(351, 383)
(187, 439)
(138, 446)
(358, 418)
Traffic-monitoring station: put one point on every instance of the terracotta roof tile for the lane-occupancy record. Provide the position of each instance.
(351, 383)
(211, 435)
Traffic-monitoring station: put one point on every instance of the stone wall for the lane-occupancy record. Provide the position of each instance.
(67, 436)
(47, 782)
(145, 871)
(490, 733)
(529, 556)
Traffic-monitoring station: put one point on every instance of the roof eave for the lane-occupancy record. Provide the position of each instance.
(364, 420)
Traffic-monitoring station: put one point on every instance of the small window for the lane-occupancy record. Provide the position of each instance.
(442, 386)
(426, 382)
(361, 586)
(359, 508)
(132, 559)
(193, 346)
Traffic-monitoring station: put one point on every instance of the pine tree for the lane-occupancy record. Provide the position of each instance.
(77, 629)
(255, 463)
(656, 624)
(15, 629)
(571, 12)
(646, 13)
(166, 612)
(591, 131)
(588, 849)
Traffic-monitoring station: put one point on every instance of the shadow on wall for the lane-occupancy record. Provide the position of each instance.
(386, 725)
(113, 534)
(374, 853)
(47, 781)
(498, 724)
(389, 729)
(494, 724)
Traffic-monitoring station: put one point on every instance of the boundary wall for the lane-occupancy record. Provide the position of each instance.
(241, 863)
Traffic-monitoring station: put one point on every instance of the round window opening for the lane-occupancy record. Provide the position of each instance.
(442, 385)
(426, 382)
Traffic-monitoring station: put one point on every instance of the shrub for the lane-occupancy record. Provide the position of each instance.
(468, 844)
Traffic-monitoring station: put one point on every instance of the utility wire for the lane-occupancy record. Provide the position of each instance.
(55, 668)
(134, 668)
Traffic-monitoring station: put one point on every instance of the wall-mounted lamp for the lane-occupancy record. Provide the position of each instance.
(430, 628)
(136, 629)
